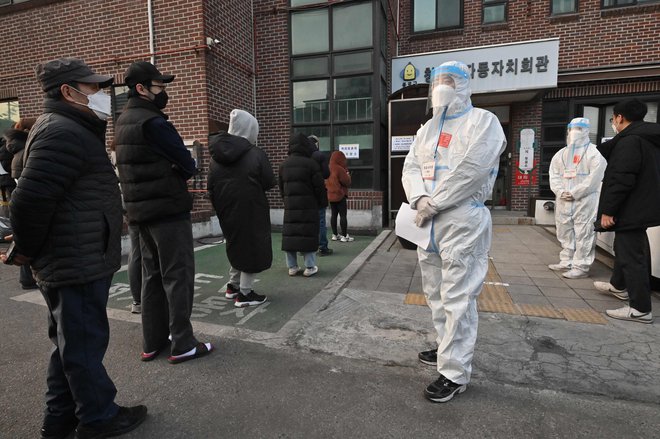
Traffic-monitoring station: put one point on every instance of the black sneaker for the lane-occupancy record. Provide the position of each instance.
(126, 419)
(231, 292)
(249, 299)
(442, 390)
(325, 251)
(429, 357)
(59, 429)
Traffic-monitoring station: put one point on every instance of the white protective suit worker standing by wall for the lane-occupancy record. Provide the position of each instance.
(575, 175)
(448, 175)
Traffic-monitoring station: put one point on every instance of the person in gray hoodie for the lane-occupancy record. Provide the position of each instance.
(239, 176)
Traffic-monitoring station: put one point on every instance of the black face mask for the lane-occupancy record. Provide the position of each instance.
(160, 100)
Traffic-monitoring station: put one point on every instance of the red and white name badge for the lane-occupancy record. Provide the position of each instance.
(444, 140)
(428, 170)
(570, 173)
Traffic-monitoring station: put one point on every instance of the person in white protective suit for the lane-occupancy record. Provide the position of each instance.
(448, 174)
(575, 175)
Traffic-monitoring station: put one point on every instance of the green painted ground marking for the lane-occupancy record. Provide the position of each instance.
(286, 295)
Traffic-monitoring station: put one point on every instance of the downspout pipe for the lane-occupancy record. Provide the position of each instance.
(152, 50)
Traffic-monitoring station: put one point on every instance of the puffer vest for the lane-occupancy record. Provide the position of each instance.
(153, 190)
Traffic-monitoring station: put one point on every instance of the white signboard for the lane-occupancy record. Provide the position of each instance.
(402, 143)
(526, 65)
(351, 151)
(526, 160)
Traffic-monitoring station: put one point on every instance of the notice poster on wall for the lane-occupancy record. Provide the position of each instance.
(350, 150)
(402, 143)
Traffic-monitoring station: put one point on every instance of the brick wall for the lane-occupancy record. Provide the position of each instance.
(590, 38)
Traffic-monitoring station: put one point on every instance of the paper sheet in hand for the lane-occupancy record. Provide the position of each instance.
(406, 228)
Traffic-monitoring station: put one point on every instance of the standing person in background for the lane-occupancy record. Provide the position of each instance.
(15, 143)
(337, 185)
(154, 166)
(66, 217)
(575, 175)
(7, 184)
(322, 160)
(240, 174)
(629, 204)
(301, 186)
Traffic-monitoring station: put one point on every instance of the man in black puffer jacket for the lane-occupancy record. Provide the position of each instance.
(154, 165)
(629, 203)
(66, 217)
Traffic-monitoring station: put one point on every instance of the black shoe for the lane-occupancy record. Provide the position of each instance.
(442, 390)
(325, 251)
(126, 419)
(30, 287)
(60, 430)
(231, 292)
(249, 299)
(429, 357)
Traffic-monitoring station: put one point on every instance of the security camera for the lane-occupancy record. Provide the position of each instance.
(212, 41)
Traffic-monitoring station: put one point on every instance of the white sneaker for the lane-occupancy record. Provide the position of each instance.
(575, 273)
(559, 267)
(336, 237)
(608, 288)
(311, 271)
(347, 238)
(628, 313)
(294, 270)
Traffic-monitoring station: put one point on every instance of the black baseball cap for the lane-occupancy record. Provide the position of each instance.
(142, 72)
(60, 71)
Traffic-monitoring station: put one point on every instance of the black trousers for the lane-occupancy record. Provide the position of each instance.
(78, 383)
(135, 264)
(168, 277)
(339, 208)
(632, 267)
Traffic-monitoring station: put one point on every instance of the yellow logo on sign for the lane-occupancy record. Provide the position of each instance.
(409, 72)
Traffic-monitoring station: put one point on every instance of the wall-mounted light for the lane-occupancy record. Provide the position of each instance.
(210, 41)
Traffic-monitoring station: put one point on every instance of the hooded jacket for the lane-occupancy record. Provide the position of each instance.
(239, 175)
(631, 186)
(339, 180)
(16, 145)
(66, 210)
(301, 186)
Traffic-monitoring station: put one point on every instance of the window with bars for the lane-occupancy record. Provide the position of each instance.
(494, 11)
(431, 15)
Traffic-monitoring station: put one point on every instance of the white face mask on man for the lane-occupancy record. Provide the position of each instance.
(99, 102)
(442, 95)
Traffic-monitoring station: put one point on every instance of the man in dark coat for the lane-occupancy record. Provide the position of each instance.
(154, 165)
(7, 184)
(322, 160)
(629, 203)
(239, 176)
(66, 217)
(301, 185)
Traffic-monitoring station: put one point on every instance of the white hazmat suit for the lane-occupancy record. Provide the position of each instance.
(448, 174)
(576, 172)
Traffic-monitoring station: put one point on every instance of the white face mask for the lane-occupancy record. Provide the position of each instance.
(614, 129)
(99, 102)
(442, 95)
(573, 137)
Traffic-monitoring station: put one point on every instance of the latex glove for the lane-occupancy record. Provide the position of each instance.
(567, 196)
(425, 210)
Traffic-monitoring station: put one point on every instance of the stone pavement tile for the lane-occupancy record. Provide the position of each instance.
(502, 266)
(594, 294)
(547, 274)
(524, 289)
(583, 284)
(563, 302)
(565, 292)
(602, 305)
(416, 285)
(364, 283)
(531, 299)
(539, 311)
(511, 272)
(535, 267)
(396, 284)
(516, 280)
(543, 282)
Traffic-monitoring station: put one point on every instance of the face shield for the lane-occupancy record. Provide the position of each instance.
(578, 132)
(450, 88)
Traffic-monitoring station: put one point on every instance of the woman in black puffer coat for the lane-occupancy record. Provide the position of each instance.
(301, 186)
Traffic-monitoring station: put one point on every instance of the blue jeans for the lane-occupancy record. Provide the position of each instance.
(78, 327)
(292, 259)
(323, 230)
